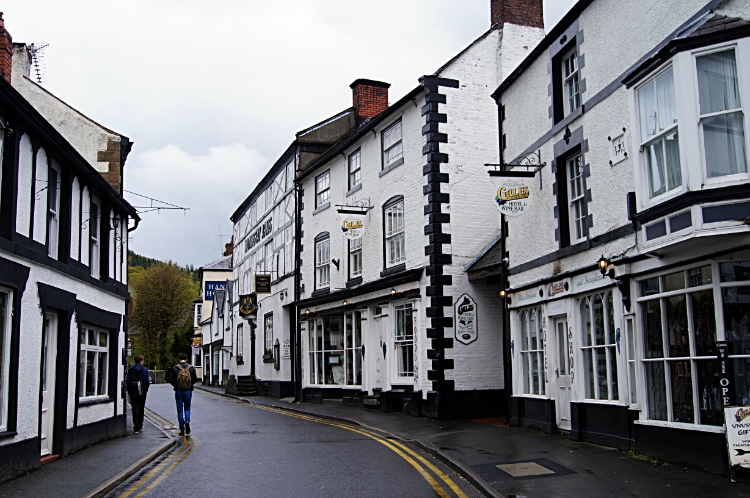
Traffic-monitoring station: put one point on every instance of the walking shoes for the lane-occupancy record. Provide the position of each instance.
(187, 427)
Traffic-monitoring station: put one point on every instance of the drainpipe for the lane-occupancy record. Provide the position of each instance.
(507, 370)
(296, 333)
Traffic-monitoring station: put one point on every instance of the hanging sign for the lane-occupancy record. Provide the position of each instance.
(248, 305)
(352, 223)
(466, 319)
(512, 195)
(262, 284)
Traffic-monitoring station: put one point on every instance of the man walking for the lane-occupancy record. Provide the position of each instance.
(137, 384)
(182, 377)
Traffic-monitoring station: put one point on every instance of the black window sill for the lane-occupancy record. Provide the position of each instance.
(320, 292)
(322, 208)
(353, 282)
(267, 358)
(394, 165)
(240, 362)
(90, 402)
(8, 434)
(393, 269)
(354, 189)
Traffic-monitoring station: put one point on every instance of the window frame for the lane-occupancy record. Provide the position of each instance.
(83, 349)
(198, 313)
(6, 351)
(319, 356)
(404, 348)
(323, 195)
(576, 223)
(355, 258)
(527, 353)
(390, 234)
(399, 143)
(322, 241)
(574, 78)
(95, 228)
(355, 175)
(608, 347)
(53, 211)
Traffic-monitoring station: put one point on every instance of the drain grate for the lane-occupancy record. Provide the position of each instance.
(245, 432)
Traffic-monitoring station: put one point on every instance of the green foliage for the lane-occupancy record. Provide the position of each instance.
(163, 295)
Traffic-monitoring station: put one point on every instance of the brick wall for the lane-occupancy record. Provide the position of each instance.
(111, 156)
(369, 98)
(521, 12)
(6, 51)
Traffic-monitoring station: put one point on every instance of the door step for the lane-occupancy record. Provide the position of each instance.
(49, 459)
(339, 402)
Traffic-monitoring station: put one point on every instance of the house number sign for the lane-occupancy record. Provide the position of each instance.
(466, 319)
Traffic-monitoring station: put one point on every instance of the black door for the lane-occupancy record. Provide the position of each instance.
(252, 348)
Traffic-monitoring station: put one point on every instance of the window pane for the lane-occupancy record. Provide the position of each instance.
(319, 364)
(102, 339)
(682, 392)
(708, 392)
(650, 286)
(656, 389)
(588, 356)
(667, 109)
(524, 331)
(541, 372)
(90, 373)
(601, 372)
(647, 110)
(586, 322)
(672, 157)
(311, 368)
(3, 360)
(92, 338)
(101, 386)
(677, 329)
(741, 372)
(358, 366)
(562, 351)
(735, 271)
(82, 371)
(656, 168)
(704, 323)
(525, 362)
(652, 329)
(532, 330)
(534, 374)
(718, 85)
(611, 332)
(599, 320)
(357, 329)
(612, 353)
(674, 281)
(736, 303)
(724, 141)
(349, 367)
(699, 276)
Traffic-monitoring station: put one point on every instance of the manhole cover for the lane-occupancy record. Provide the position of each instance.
(245, 432)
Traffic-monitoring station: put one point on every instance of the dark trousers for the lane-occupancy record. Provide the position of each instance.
(137, 403)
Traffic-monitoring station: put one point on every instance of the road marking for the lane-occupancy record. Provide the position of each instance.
(189, 445)
(390, 444)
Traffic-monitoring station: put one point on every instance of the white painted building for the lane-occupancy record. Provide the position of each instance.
(63, 289)
(213, 277)
(636, 111)
(379, 315)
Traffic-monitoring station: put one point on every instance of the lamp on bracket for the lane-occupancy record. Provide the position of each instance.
(605, 267)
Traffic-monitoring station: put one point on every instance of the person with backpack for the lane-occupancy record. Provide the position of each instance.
(182, 377)
(137, 383)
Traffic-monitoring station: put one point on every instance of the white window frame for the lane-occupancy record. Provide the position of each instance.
(84, 336)
(269, 257)
(53, 211)
(355, 168)
(198, 313)
(395, 236)
(289, 251)
(6, 334)
(571, 81)
(324, 362)
(290, 175)
(403, 342)
(576, 198)
(323, 263)
(355, 258)
(253, 214)
(268, 333)
(591, 349)
(95, 228)
(268, 198)
(393, 145)
(240, 343)
(322, 189)
(532, 354)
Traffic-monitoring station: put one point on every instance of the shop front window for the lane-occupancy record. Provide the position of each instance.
(680, 334)
(735, 296)
(599, 347)
(404, 340)
(532, 351)
(335, 350)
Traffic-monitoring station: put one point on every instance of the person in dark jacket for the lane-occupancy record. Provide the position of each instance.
(137, 383)
(183, 377)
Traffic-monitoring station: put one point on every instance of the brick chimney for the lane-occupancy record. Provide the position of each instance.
(369, 98)
(521, 12)
(6, 51)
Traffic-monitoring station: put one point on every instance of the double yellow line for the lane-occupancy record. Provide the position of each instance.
(401, 450)
(189, 444)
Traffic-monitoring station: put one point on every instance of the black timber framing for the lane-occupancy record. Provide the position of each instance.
(434, 230)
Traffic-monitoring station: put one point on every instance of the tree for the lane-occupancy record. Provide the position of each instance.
(163, 296)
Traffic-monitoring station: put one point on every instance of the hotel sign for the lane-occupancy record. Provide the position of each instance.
(512, 195)
(466, 319)
(262, 284)
(352, 223)
(211, 288)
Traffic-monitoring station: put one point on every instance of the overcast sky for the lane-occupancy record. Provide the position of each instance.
(213, 92)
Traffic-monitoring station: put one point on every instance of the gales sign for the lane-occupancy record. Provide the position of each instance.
(352, 223)
(512, 195)
(466, 319)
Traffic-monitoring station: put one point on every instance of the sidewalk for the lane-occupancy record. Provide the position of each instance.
(547, 466)
(86, 470)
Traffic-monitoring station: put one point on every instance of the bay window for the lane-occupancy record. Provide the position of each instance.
(599, 347)
(93, 363)
(532, 351)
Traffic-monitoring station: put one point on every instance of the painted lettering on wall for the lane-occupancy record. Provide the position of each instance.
(259, 234)
(211, 288)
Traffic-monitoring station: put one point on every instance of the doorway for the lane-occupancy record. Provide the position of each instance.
(49, 361)
(564, 379)
(253, 326)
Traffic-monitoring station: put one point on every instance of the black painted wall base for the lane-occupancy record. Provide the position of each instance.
(18, 458)
(464, 404)
(82, 436)
(275, 388)
(608, 425)
(694, 449)
(534, 412)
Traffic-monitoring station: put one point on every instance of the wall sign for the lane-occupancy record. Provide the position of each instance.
(725, 378)
(512, 195)
(618, 146)
(259, 234)
(737, 421)
(262, 284)
(248, 305)
(286, 350)
(466, 319)
(352, 223)
(211, 287)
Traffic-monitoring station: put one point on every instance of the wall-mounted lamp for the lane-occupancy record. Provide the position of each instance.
(116, 222)
(604, 267)
(504, 295)
(345, 303)
(307, 312)
(393, 292)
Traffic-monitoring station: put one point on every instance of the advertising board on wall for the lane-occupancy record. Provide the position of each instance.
(466, 319)
(211, 288)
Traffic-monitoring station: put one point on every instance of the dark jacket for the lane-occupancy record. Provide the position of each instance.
(171, 375)
(132, 374)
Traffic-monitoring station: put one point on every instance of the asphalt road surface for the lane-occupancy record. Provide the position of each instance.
(238, 449)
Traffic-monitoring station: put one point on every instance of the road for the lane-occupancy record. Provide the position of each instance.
(240, 449)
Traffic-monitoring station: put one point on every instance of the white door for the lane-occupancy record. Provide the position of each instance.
(564, 381)
(49, 357)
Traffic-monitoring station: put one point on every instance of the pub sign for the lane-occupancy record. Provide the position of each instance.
(248, 304)
(262, 284)
(211, 288)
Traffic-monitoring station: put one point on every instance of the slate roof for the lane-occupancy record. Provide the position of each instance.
(225, 263)
(718, 23)
(489, 256)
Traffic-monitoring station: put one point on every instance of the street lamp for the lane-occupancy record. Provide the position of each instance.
(603, 264)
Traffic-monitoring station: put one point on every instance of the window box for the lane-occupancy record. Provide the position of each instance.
(267, 358)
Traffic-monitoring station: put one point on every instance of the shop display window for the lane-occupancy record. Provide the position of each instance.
(335, 350)
(532, 351)
(599, 347)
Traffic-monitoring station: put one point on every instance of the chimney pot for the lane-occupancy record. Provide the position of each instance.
(369, 98)
(520, 12)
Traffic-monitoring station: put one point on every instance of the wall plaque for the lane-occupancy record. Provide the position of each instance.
(465, 319)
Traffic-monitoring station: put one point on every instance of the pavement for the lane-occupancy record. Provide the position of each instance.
(553, 465)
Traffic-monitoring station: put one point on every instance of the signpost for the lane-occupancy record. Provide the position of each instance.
(262, 284)
(129, 347)
(196, 345)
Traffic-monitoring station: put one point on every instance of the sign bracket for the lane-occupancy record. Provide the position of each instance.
(532, 162)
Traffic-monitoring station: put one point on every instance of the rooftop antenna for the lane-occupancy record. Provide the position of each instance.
(221, 237)
(37, 62)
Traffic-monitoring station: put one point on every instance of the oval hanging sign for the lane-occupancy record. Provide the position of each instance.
(512, 195)
(352, 223)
